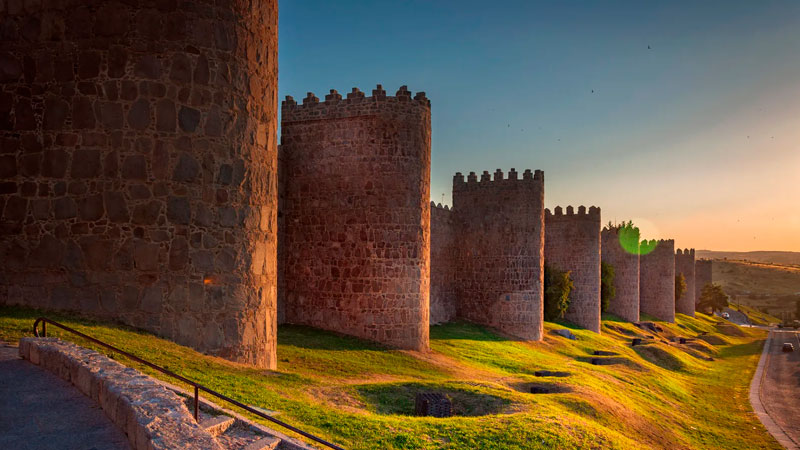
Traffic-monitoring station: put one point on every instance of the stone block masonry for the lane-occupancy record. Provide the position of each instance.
(657, 280)
(702, 277)
(152, 417)
(625, 303)
(572, 243)
(444, 243)
(499, 256)
(684, 264)
(138, 166)
(356, 190)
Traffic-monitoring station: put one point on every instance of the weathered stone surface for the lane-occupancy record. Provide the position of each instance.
(684, 264)
(97, 114)
(702, 275)
(657, 280)
(151, 416)
(178, 210)
(85, 163)
(381, 294)
(572, 244)
(625, 303)
(187, 168)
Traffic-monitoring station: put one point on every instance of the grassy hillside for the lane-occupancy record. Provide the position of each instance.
(767, 287)
(358, 394)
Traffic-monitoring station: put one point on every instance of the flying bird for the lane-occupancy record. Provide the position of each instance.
(648, 47)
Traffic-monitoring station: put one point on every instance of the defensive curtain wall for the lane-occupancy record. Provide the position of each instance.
(572, 243)
(138, 166)
(657, 280)
(684, 264)
(444, 244)
(625, 302)
(356, 192)
(702, 277)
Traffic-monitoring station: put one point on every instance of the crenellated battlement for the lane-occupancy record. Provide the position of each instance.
(439, 206)
(356, 103)
(592, 213)
(496, 179)
(685, 252)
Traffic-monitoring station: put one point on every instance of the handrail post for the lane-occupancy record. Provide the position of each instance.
(194, 384)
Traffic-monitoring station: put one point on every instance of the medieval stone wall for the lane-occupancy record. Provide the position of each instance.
(444, 242)
(684, 264)
(138, 166)
(500, 229)
(625, 303)
(357, 214)
(657, 281)
(702, 277)
(572, 243)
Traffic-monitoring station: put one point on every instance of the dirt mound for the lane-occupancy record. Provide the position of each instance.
(713, 339)
(731, 330)
(399, 398)
(660, 357)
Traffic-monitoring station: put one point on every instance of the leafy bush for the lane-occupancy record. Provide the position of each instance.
(680, 286)
(557, 287)
(713, 298)
(608, 286)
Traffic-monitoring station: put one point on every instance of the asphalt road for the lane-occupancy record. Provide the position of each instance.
(780, 385)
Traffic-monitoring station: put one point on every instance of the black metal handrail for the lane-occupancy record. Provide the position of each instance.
(197, 386)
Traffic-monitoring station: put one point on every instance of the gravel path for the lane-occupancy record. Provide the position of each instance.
(41, 411)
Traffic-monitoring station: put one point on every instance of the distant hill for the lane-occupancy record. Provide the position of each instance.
(784, 258)
(768, 287)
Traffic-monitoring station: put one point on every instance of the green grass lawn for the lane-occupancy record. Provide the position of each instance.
(361, 395)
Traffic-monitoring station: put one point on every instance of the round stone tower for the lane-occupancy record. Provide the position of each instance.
(138, 166)
(357, 217)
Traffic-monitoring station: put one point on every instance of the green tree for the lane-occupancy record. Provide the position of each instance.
(680, 286)
(557, 287)
(713, 298)
(608, 288)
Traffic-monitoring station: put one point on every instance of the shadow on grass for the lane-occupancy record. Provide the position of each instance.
(399, 398)
(465, 331)
(314, 338)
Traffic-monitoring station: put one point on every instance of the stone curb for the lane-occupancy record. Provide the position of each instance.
(153, 417)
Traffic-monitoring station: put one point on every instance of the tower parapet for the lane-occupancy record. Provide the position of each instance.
(357, 213)
(684, 264)
(657, 279)
(572, 243)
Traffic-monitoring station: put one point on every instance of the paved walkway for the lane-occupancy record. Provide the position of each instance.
(776, 388)
(39, 411)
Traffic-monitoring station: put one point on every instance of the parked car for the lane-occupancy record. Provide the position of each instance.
(726, 315)
(788, 347)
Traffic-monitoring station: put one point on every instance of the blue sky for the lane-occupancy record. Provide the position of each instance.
(696, 138)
